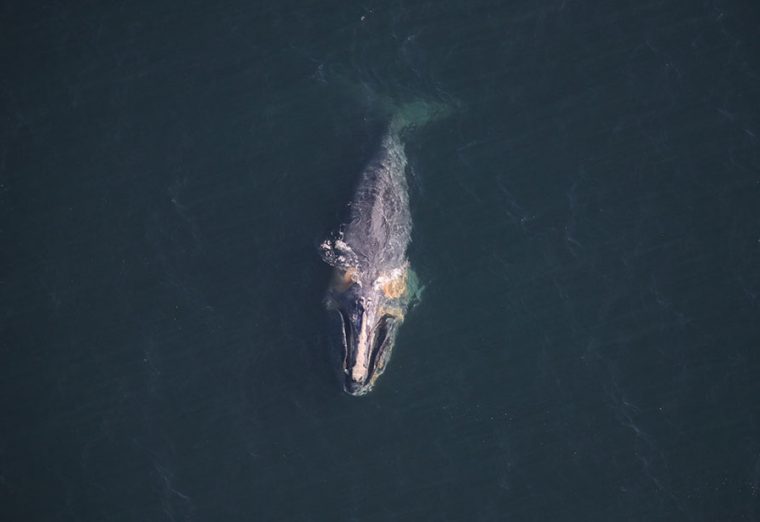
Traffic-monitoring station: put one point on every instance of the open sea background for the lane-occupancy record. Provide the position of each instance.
(587, 227)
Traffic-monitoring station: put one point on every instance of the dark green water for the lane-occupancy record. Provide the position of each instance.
(587, 228)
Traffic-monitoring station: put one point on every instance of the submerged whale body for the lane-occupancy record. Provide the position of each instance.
(372, 285)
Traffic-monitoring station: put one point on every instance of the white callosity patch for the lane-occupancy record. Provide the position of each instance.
(389, 277)
(336, 252)
(393, 282)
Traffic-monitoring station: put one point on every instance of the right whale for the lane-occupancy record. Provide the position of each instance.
(373, 285)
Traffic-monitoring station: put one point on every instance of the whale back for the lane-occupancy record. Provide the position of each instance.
(379, 226)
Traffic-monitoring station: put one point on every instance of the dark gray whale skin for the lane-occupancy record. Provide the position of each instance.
(371, 287)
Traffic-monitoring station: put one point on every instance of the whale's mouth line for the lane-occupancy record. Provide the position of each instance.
(379, 342)
(347, 336)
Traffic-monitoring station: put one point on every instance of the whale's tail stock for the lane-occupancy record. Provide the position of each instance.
(404, 109)
(418, 113)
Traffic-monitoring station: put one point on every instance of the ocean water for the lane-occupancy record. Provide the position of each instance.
(586, 225)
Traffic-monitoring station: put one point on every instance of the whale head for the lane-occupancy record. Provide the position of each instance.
(369, 313)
